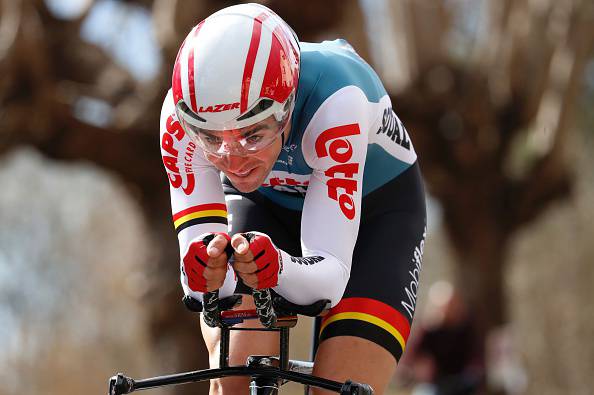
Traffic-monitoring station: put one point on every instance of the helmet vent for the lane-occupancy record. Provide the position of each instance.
(186, 110)
(262, 105)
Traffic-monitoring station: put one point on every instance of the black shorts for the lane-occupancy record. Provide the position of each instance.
(380, 297)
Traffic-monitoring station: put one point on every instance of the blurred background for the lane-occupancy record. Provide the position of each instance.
(497, 97)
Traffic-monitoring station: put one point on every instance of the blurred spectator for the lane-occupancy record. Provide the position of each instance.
(444, 357)
(505, 371)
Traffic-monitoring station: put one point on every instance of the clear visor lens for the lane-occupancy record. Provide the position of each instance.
(243, 141)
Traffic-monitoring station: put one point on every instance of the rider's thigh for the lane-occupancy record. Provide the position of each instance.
(344, 358)
(242, 344)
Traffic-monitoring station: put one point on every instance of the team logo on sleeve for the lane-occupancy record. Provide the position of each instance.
(394, 129)
(333, 142)
(172, 159)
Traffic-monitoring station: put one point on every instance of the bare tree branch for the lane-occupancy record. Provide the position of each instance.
(10, 20)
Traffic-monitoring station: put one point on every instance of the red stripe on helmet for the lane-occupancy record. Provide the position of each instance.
(176, 79)
(251, 60)
(191, 85)
(279, 80)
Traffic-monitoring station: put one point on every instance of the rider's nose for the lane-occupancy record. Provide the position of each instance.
(233, 162)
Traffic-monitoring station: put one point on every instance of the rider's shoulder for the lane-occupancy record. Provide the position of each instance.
(168, 107)
(335, 60)
(330, 66)
(333, 80)
(167, 110)
(329, 53)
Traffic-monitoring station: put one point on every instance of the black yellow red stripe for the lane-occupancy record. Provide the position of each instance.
(368, 318)
(200, 214)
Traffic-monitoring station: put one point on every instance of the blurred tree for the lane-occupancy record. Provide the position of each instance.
(486, 87)
(68, 286)
(488, 90)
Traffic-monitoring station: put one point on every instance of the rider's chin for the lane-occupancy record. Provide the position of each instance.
(246, 184)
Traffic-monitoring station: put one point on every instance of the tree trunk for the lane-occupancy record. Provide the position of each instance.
(480, 246)
(479, 276)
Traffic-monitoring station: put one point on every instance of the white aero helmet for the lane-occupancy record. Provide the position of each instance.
(237, 67)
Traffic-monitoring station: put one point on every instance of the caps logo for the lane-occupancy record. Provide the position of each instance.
(171, 158)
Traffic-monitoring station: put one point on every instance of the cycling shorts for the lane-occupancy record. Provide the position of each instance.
(380, 297)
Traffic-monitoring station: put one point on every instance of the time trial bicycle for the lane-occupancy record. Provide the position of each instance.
(267, 372)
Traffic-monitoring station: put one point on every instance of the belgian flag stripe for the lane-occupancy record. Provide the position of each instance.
(200, 214)
(370, 319)
(201, 220)
(365, 330)
(375, 308)
(198, 208)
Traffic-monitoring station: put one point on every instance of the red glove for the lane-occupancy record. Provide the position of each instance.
(266, 257)
(196, 260)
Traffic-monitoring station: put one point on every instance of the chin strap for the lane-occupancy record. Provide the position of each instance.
(288, 122)
(283, 141)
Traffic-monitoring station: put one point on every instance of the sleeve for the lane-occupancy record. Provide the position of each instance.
(335, 147)
(197, 198)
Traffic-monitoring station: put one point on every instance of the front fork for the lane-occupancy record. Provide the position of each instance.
(260, 384)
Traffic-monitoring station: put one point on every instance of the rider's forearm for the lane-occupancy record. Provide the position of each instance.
(305, 280)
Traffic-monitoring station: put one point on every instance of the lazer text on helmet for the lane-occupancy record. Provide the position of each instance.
(219, 107)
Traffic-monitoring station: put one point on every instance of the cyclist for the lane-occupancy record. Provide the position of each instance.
(291, 152)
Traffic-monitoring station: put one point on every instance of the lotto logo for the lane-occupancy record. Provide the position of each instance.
(333, 142)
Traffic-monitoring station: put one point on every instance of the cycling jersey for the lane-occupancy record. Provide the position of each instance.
(379, 301)
(345, 142)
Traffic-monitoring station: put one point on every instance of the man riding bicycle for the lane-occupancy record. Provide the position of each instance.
(290, 153)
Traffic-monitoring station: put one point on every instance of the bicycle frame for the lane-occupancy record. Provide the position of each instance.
(266, 378)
